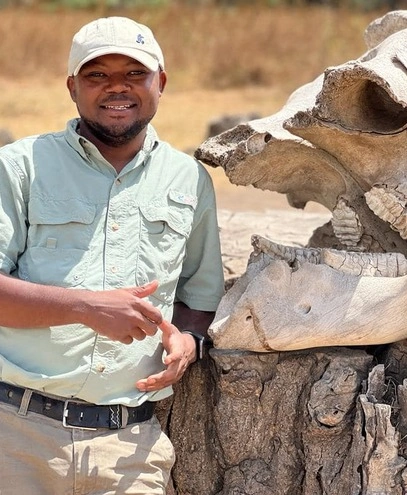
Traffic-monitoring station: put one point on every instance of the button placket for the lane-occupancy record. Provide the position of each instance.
(114, 241)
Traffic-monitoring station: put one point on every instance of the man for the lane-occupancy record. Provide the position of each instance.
(106, 235)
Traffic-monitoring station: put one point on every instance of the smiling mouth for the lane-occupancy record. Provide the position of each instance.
(118, 107)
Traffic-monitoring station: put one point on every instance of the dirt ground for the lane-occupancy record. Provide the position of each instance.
(242, 198)
(289, 227)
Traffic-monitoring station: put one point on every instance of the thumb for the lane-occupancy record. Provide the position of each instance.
(145, 290)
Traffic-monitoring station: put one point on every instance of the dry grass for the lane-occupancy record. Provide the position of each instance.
(218, 60)
(204, 47)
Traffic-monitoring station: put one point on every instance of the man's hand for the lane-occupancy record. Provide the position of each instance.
(119, 314)
(122, 314)
(181, 351)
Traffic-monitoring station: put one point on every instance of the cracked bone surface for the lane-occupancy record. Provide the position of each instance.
(296, 298)
(340, 141)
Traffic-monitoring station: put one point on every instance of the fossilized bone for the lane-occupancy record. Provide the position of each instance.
(294, 298)
(340, 141)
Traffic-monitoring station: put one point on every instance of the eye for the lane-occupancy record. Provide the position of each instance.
(137, 73)
(95, 75)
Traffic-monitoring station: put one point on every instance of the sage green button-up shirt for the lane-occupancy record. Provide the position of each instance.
(68, 219)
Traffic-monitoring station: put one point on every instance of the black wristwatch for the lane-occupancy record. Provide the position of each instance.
(199, 343)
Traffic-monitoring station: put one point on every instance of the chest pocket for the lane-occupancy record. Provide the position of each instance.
(173, 219)
(59, 235)
(70, 221)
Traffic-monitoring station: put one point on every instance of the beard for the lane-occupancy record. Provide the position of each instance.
(116, 135)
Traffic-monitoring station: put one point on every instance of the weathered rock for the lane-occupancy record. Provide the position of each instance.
(298, 423)
(383, 27)
(222, 123)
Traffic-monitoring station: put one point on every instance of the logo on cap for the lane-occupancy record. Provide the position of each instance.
(140, 39)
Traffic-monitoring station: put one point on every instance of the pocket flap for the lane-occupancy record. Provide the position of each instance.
(55, 212)
(177, 214)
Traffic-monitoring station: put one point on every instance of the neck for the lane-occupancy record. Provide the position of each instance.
(117, 156)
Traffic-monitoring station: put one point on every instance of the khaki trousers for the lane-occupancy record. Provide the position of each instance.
(38, 456)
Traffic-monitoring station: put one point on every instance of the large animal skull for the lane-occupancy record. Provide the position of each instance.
(340, 141)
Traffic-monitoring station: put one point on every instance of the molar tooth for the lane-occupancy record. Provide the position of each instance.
(286, 253)
(366, 264)
(389, 204)
(350, 262)
(346, 224)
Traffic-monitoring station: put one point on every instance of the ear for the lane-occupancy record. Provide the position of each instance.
(163, 80)
(70, 84)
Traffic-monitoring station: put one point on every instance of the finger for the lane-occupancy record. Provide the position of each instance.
(149, 312)
(166, 327)
(147, 385)
(145, 290)
(138, 334)
(171, 358)
(157, 381)
(127, 340)
(152, 315)
(148, 327)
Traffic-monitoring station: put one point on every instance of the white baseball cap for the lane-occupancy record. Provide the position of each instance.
(110, 35)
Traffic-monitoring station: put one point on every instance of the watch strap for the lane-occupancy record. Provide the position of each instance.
(199, 343)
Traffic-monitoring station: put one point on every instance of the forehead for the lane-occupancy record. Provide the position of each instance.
(113, 60)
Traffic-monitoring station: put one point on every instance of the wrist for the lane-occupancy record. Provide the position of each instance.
(83, 306)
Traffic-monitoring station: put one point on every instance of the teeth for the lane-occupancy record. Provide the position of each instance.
(117, 107)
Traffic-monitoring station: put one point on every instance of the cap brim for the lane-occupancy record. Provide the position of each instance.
(148, 60)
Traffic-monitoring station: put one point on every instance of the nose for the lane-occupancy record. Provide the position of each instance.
(117, 83)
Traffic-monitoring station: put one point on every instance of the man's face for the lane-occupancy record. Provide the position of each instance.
(116, 97)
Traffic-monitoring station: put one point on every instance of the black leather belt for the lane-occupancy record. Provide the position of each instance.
(76, 413)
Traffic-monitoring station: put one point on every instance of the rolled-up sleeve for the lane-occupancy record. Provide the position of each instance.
(13, 213)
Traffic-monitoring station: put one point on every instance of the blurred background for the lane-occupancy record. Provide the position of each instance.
(223, 57)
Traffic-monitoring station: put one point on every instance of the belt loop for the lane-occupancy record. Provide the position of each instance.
(125, 416)
(25, 402)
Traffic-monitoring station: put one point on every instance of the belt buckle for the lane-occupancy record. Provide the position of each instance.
(65, 416)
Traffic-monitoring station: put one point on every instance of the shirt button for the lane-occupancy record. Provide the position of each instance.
(118, 181)
(101, 368)
(114, 269)
(115, 227)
